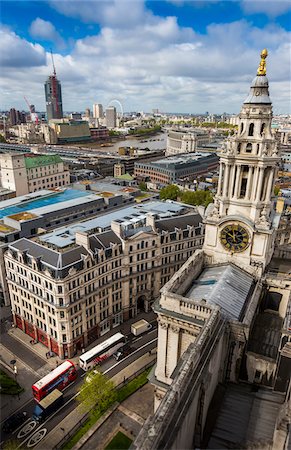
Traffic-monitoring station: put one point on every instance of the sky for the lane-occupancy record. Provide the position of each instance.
(175, 56)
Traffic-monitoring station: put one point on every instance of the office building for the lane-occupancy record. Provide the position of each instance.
(33, 214)
(29, 173)
(168, 170)
(97, 111)
(65, 131)
(179, 141)
(111, 117)
(53, 98)
(72, 285)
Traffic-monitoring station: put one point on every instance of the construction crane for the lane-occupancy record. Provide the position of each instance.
(55, 86)
(33, 115)
(54, 72)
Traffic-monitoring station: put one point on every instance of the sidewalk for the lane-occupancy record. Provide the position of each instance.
(55, 437)
(41, 349)
(25, 377)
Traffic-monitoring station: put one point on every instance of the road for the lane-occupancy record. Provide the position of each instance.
(140, 345)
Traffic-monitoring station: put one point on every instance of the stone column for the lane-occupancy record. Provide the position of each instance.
(255, 183)
(269, 186)
(172, 349)
(225, 180)
(237, 181)
(231, 182)
(259, 184)
(249, 183)
(162, 353)
(219, 179)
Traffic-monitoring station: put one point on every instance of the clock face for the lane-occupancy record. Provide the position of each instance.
(234, 238)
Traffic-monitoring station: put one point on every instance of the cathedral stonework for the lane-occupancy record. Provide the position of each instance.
(224, 317)
(240, 227)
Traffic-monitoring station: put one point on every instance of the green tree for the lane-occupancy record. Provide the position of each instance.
(197, 197)
(170, 192)
(2, 138)
(276, 190)
(143, 186)
(97, 392)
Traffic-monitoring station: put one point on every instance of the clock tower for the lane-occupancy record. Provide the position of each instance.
(240, 226)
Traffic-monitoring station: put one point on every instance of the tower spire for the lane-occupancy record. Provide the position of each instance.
(262, 67)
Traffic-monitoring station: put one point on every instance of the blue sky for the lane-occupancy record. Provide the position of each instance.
(178, 56)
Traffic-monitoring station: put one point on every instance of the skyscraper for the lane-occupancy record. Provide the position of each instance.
(97, 111)
(111, 117)
(53, 98)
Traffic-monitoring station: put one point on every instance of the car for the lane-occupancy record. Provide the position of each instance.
(122, 352)
(14, 422)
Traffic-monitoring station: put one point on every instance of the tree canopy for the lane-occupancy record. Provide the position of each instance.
(143, 186)
(97, 392)
(200, 197)
(170, 192)
(197, 197)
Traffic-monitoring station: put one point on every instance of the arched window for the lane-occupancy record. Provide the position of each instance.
(239, 147)
(258, 148)
(241, 127)
(249, 148)
(262, 128)
(251, 129)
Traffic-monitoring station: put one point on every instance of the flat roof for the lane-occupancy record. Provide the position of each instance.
(226, 286)
(43, 202)
(185, 158)
(127, 216)
(24, 198)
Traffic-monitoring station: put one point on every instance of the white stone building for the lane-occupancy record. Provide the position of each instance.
(69, 287)
(224, 318)
(29, 173)
(185, 141)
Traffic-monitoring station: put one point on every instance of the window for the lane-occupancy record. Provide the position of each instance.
(249, 148)
(241, 127)
(262, 128)
(251, 129)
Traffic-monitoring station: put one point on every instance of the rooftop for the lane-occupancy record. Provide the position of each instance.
(226, 286)
(181, 159)
(42, 201)
(44, 160)
(128, 216)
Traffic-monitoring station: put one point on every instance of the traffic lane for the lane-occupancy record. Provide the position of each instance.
(69, 394)
(135, 345)
(71, 391)
(22, 352)
(139, 341)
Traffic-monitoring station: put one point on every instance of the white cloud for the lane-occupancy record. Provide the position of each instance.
(45, 30)
(116, 13)
(158, 64)
(17, 52)
(270, 8)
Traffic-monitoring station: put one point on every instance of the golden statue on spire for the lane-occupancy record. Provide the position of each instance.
(262, 67)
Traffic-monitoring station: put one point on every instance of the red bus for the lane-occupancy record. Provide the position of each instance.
(58, 378)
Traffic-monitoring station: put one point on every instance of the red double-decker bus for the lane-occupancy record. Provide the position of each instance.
(58, 378)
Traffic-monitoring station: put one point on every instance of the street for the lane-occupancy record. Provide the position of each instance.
(30, 433)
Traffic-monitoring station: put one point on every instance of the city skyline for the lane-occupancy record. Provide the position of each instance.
(184, 57)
